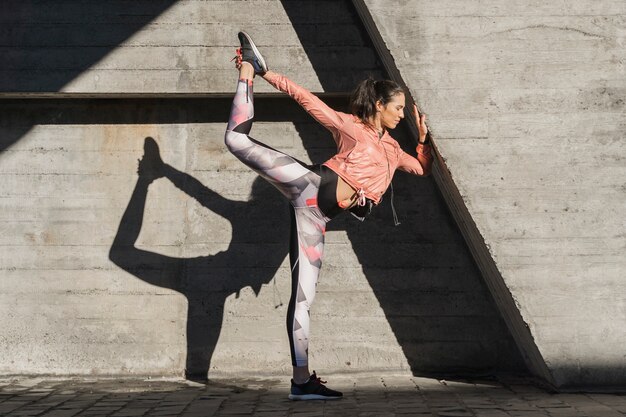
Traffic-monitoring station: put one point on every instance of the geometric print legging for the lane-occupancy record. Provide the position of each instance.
(300, 186)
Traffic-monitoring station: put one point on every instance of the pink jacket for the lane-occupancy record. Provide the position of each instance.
(363, 160)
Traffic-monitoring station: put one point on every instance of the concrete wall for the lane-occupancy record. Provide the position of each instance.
(527, 104)
(168, 46)
(103, 271)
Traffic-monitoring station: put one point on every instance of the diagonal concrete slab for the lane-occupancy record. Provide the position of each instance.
(527, 105)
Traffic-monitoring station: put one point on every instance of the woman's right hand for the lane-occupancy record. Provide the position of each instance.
(421, 123)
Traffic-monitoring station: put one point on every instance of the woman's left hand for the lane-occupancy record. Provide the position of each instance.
(421, 123)
(238, 59)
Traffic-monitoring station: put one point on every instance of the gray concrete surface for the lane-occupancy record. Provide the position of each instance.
(169, 46)
(380, 396)
(526, 101)
(101, 275)
(105, 274)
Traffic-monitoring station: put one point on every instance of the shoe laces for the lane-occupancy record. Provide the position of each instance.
(316, 379)
(238, 57)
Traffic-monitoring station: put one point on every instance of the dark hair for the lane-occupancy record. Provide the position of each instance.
(369, 91)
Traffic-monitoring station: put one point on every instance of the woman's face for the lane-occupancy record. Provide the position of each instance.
(392, 112)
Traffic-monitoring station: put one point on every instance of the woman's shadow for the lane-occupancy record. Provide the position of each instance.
(258, 248)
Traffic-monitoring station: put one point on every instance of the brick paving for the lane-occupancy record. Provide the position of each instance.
(374, 396)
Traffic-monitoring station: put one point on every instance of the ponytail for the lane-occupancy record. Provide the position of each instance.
(367, 93)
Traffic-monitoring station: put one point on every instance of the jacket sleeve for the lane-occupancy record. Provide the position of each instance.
(327, 117)
(421, 165)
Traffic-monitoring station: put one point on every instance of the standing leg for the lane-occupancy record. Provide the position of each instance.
(306, 248)
(305, 253)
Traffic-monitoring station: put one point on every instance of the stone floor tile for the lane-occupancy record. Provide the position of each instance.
(379, 396)
(459, 413)
(597, 409)
(131, 412)
(491, 413)
(11, 405)
(24, 412)
(62, 413)
(308, 413)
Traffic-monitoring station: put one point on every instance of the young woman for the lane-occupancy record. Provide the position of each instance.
(354, 179)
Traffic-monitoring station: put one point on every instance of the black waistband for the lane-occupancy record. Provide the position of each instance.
(327, 194)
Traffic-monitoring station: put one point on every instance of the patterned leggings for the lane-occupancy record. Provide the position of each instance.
(303, 187)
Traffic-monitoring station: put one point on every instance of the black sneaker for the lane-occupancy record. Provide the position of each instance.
(313, 389)
(250, 53)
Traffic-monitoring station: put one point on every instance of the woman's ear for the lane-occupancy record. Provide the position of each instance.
(379, 106)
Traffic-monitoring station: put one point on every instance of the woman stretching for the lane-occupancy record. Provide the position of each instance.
(354, 179)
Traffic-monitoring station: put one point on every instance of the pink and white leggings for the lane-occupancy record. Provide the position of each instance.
(303, 186)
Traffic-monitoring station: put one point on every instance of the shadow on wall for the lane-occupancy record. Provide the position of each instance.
(205, 281)
(420, 272)
(46, 44)
(335, 42)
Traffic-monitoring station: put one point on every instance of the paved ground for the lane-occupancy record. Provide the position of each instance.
(364, 396)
